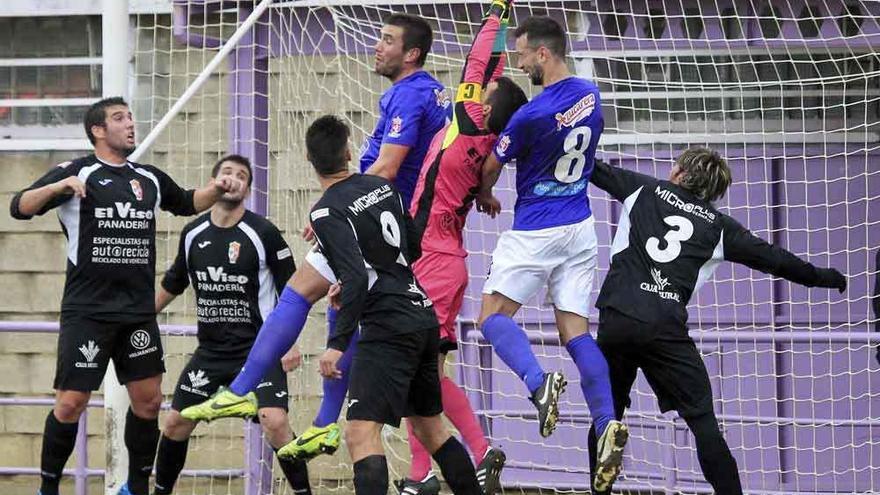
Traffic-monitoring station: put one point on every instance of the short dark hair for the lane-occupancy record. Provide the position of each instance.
(326, 144)
(235, 159)
(543, 30)
(706, 173)
(97, 114)
(506, 100)
(417, 33)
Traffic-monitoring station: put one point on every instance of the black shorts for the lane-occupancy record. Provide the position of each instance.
(667, 356)
(86, 344)
(394, 375)
(206, 372)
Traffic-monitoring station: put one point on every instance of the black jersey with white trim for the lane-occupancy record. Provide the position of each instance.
(369, 240)
(669, 242)
(111, 234)
(237, 274)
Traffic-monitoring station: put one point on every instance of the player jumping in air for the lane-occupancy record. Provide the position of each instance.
(669, 241)
(107, 206)
(553, 242)
(447, 185)
(238, 264)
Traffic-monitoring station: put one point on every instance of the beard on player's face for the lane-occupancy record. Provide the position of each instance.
(536, 75)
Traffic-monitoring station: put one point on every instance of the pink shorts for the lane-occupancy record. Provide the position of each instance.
(444, 278)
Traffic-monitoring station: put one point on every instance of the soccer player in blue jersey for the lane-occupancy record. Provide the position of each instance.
(553, 141)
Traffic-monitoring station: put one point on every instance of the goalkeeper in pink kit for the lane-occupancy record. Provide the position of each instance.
(444, 194)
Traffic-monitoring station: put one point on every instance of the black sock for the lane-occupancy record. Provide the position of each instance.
(169, 463)
(718, 464)
(455, 464)
(371, 476)
(297, 474)
(141, 437)
(58, 441)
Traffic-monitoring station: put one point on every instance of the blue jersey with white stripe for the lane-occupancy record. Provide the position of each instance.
(553, 139)
(410, 113)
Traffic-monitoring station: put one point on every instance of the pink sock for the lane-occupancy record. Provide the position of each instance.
(421, 459)
(457, 408)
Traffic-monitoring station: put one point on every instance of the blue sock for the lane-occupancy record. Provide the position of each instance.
(278, 333)
(512, 345)
(595, 381)
(335, 389)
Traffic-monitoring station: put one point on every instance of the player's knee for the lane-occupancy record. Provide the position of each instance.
(176, 427)
(147, 406)
(361, 434)
(274, 422)
(68, 408)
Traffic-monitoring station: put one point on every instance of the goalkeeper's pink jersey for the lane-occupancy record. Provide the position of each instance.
(450, 175)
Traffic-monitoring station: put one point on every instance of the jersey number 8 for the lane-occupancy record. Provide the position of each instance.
(570, 167)
(683, 229)
(391, 233)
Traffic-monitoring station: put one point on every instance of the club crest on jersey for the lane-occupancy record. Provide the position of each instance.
(396, 127)
(503, 144)
(442, 98)
(137, 189)
(583, 108)
(234, 250)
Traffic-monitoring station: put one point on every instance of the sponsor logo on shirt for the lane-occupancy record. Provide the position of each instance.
(694, 209)
(503, 144)
(369, 199)
(136, 189)
(204, 244)
(659, 286)
(583, 108)
(320, 213)
(234, 250)
(218, 275)
(396, 127)
(198, 378)
(89, 350)
(105, 182)
(442, 98)
(284, 253)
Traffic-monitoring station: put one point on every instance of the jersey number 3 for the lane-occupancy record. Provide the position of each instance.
(391, 233)
(570, 166)
(682, 230)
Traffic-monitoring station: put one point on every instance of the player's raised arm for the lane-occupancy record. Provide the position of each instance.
(484, 64)
(741, 246)
(618, 182)
(339, 244)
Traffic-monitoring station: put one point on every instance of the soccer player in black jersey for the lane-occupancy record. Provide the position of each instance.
(364, 230)
(238, 264)
(669, 241)
(107, 206)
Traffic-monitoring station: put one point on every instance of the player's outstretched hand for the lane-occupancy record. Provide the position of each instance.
(327, 364)
(488, 204)
(70, 185)
(831, 278)
(291, 360)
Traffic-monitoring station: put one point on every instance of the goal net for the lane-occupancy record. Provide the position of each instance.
(789, 92)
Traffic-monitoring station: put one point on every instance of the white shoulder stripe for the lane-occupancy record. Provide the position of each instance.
(266, 293)
(188, 240)
(621, 238)
(155, 180)
(68, 214)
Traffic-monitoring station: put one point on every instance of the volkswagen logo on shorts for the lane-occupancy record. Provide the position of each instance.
(140, 339)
